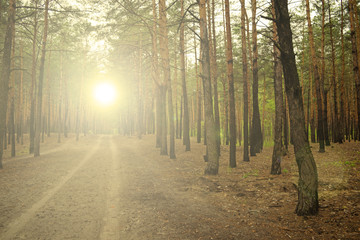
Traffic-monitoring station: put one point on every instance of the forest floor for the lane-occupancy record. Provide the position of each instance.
(114, 187)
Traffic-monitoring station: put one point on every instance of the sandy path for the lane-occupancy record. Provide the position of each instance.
(103, 188)
(114, 187)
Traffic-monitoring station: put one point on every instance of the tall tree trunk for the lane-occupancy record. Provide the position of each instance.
(312, 106)
(213, 67)
(20, 100)
(264, 107)
(49, 100)
(245, 80)
(59, 123)
(277, 150)
(256, 136)
(40, 86)
(308, 180)
(230, 76)
(323, 90)
(212, 166)
(66, 108)
(79, 103)
(162, 115)
(317, 78)
(226, 113)
(155, 76)
(164, 53)
(5, 73)
(286, 125)
(186, 128)
(198, 96)
(224, 80)
(139, 93)
(33, 83)
(342, 81)
(177, 129)
(355, 39)
(12, 98)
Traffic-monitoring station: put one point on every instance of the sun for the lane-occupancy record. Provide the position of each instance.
(105, 93)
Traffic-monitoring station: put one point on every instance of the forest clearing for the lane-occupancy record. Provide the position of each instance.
(115, 187)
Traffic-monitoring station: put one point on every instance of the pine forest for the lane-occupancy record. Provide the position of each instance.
(179, 119)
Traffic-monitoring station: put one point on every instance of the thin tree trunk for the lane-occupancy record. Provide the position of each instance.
(323, 90)
(60, 101)
(186, 128)
(286, 125)
(49, 99)
(66, 108)
(277, 150)
(79, 103)
(226, 96)
(33, 84)
(40, 86)
(21, 100)
(317, 78)
(177, 133)
(226, 113)
(11, 122)
(198, 96)
(139, 94)
(263, 108)
(342, 81)
(5, 73)
(308, 179)
(246, 157)
(230, 76)
(155, 76)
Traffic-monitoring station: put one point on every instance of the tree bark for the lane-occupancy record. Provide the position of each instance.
(277, 150)
(5, 73)
(308, 179)
(155, 76)
(256, 135)
(230, 76)
(212, 166)
(342, 80)
(246, 157)
(140, 116)
(164, 53)
(213, 63)
(324, 91)
(40, 86)
(186, 128)
(317, 79)
(79, 103)
(21, 101)
(355, 40)
(198, 96)
(11, 122)
(33, 83)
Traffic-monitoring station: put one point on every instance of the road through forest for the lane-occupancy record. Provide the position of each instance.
(100, 188)
(116, 187)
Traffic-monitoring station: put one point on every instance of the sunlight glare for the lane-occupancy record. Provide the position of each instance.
(105, 93)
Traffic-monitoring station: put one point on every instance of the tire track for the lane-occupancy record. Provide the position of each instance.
(17, 224)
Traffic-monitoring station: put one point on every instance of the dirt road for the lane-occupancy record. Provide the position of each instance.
(100, 188)
(114, 187)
